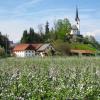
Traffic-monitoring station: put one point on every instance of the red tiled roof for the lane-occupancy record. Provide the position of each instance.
(37, 46)
(22, 47)
(82, 51)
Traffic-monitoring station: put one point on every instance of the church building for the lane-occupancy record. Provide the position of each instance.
(75, 29)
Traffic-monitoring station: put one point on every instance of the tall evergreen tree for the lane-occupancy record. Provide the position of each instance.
(47, 28)
(47, 31)
(25, 37)
(4, 42)
(31, 35)
(52, 35)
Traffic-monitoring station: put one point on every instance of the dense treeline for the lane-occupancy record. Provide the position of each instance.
(31, 37)
(4, 45)
(59, 36)
(58, 31)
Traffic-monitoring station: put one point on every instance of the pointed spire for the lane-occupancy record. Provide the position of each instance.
(77, 17)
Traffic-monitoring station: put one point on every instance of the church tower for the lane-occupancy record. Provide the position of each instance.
(77, 19)
(75, 29)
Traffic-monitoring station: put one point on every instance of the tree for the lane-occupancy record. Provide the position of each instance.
(62, 47)
(31, 37)
(4, 43)
(93, 41)
(62, 27)
(47, 31)
(47, 28)
(25, 37)
(52, 35)
(2, 52)
(41, 32)
(40, 29)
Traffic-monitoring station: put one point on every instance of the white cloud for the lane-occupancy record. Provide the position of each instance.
(23, 7)
(90, 34)
(19, 10)
(95, 33)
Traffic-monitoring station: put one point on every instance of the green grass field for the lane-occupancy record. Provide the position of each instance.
(59, 78)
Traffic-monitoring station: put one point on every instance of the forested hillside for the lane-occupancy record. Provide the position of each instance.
(59, 36)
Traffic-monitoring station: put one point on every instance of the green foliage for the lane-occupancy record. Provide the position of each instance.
(82, 46)
(80, 42)
(31, 37)
(91, 40)
(53, 35)
(47, 28)
(4, 43)
(57, 78)
(2, 52)
(60, 31)
(62, 27)
(24, 39)
(46, 35)
(62, 47)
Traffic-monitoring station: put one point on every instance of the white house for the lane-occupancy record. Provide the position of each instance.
(24, 50)
(30, 50)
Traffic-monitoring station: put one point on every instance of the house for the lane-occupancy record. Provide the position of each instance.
(24, 50)
(83, 52)
(45, 48)
(29, 50)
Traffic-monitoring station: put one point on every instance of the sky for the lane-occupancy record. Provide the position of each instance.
(18, 15)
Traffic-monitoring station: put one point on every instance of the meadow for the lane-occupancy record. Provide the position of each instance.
(52, 78)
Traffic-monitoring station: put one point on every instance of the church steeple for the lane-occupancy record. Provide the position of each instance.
(77, 17)
(76, 28)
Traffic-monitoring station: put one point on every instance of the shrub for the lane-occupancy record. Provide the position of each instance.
(62, 47)
(2, 52)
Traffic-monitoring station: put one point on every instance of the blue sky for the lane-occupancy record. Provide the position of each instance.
(17, 15)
